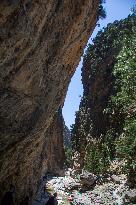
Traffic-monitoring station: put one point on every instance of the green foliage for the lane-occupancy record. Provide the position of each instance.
(124, 101)
(100, 153)
(125, 72)
(125, 69)
(126, 145)
(118, 41)
(101, 10)
(109, 41)
(68, 153)
(98, 156)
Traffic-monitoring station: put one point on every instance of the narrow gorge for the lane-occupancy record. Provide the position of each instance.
(94, 162)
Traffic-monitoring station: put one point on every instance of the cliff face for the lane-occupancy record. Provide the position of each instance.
(40, 46)
(96, 116)
(54, 150)
(24, 163)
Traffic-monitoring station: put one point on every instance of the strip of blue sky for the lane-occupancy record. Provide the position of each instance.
(116, 10)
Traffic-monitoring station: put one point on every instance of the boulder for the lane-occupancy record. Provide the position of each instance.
(115, 179)
(87, 180)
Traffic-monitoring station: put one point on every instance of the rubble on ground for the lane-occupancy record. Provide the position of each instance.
(113, 190)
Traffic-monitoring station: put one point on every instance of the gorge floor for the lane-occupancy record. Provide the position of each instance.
(113, 191)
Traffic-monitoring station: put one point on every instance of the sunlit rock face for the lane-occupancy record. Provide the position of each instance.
(41, 43)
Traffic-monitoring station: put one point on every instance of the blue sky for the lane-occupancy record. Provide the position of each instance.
(116, 10)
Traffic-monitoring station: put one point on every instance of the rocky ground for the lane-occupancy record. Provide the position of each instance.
(75, 190)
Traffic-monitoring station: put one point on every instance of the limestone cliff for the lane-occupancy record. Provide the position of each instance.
(41, 42)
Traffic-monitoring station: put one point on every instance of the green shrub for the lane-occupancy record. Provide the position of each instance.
(68, 153)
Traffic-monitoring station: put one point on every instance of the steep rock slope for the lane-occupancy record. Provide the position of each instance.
(97, 118)
(41, 42)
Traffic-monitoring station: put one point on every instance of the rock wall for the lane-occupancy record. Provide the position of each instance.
(54, 149)
(26, 162)
(41, 42)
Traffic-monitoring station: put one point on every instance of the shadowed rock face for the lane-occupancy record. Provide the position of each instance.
(41, 42)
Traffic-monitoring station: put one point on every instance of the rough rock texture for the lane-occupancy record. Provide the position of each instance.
(54, 150)
(41, 42)
(25, 163)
